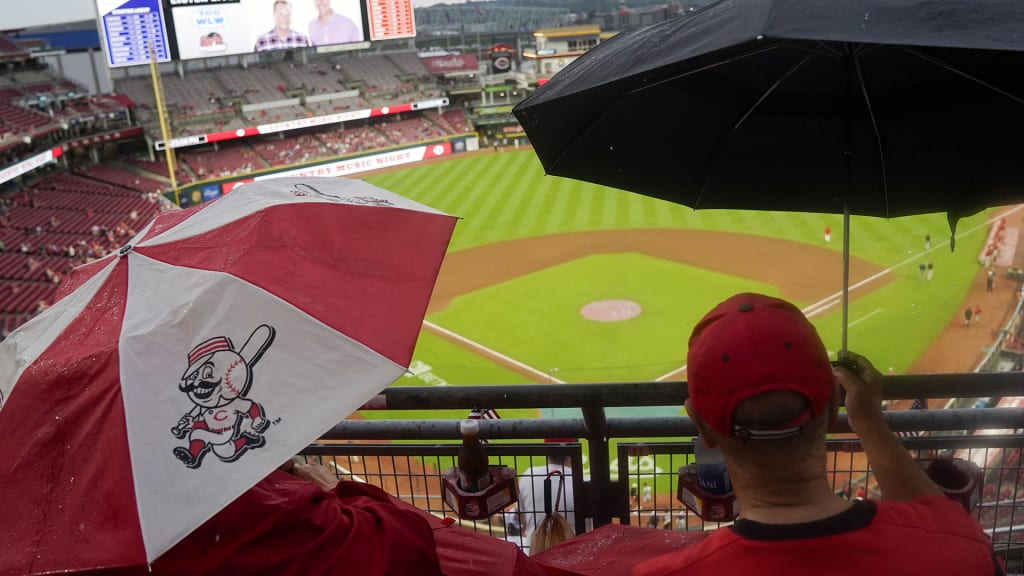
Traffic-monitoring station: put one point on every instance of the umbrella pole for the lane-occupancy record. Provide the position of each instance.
(846, 273)
(849, 67)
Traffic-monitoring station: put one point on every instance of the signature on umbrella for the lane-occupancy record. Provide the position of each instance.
(303, 189)
(223, 419)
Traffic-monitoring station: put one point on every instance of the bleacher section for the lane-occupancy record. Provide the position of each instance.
(260, 84)
(409, 63)
(293, 150)
(105, 173)
(316, 78)
(159, 168)
(353, 139)
(411, 130)
(236, 158)
(374, 71)
(322, 107)
(277, 114)
(58, 222)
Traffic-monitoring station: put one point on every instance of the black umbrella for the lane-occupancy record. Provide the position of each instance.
(871, 107)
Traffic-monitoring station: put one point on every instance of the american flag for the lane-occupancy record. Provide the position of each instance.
(484, 414)
(919, 404)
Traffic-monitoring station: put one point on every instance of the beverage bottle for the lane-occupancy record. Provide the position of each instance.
(712, 474)
(475, 471)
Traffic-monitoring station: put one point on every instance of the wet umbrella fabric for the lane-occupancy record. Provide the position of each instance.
(867, 107)
(171, 377)
(613, 550)
(756, 104)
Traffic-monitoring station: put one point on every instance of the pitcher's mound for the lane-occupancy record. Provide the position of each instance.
(611, 310)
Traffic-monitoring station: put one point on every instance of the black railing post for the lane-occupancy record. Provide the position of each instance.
(600, 473)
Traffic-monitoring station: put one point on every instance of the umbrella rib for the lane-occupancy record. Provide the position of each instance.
(771, 89)
(711, 66)
(960, 72)
(878, 134)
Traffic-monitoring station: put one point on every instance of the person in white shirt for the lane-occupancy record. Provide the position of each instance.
(531, 493)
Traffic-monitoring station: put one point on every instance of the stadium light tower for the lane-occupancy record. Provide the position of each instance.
(165, 126)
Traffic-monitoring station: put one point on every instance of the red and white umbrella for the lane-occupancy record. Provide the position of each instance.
(170, 377)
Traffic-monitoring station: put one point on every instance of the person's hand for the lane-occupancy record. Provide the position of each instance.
(316, 474)
(863, 386)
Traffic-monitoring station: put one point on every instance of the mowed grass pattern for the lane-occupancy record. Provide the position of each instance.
(506, 196)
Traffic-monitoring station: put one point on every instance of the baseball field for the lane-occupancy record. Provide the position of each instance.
(532, 252)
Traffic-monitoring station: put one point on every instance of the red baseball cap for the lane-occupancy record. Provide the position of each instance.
(751, 344)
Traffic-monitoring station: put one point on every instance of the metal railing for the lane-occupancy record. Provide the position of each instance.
(602, 486)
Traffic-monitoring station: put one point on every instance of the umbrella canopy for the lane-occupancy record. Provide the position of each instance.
(883, 108)
(172, 376)
(613, 550)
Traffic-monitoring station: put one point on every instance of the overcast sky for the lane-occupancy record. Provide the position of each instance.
(22, 14)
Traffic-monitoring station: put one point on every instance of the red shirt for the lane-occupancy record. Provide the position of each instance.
(284, 526)
(931, 536)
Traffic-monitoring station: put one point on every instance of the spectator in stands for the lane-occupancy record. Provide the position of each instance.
(302, 520)
(329, 27)
(531, 491)
(281, 36)
(761, 389)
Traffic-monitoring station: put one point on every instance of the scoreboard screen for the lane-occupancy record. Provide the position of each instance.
(132, 30)
(208, 28)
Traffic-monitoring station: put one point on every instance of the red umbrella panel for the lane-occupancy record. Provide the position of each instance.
(174, 375)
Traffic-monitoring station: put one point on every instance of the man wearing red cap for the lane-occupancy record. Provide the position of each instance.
(762, 389)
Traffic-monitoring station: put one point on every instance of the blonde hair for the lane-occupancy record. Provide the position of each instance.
(553, 530)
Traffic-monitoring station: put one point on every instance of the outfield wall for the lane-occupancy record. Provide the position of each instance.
(206, 190)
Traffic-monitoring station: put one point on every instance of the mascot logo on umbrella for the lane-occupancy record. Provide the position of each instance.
(223, 419)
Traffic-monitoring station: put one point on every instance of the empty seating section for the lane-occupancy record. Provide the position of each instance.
(292, 150)
(58, 222)
(16, 120)
(228, 161)
(257, 84)
(316, 78)
(122, 178)
(409, 63)
(374, 71)
(196, 95)
(9, 93)
(337, 105)
(139, 89)
(277, 114)
(159, 167)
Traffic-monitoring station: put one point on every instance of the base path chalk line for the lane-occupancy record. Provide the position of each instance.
(833, 299)
(544, 376)
(863, 318)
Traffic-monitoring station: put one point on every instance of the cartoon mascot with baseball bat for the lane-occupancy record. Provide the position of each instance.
(217, 381)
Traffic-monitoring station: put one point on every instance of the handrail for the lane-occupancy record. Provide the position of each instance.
(672, 427)
(898, 387)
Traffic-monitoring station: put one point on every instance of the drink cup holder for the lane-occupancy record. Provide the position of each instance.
(502, 491)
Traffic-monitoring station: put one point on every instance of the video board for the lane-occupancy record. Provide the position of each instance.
(209, 28)
(133, 31)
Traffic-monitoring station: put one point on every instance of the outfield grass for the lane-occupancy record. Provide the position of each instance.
(535, 319)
